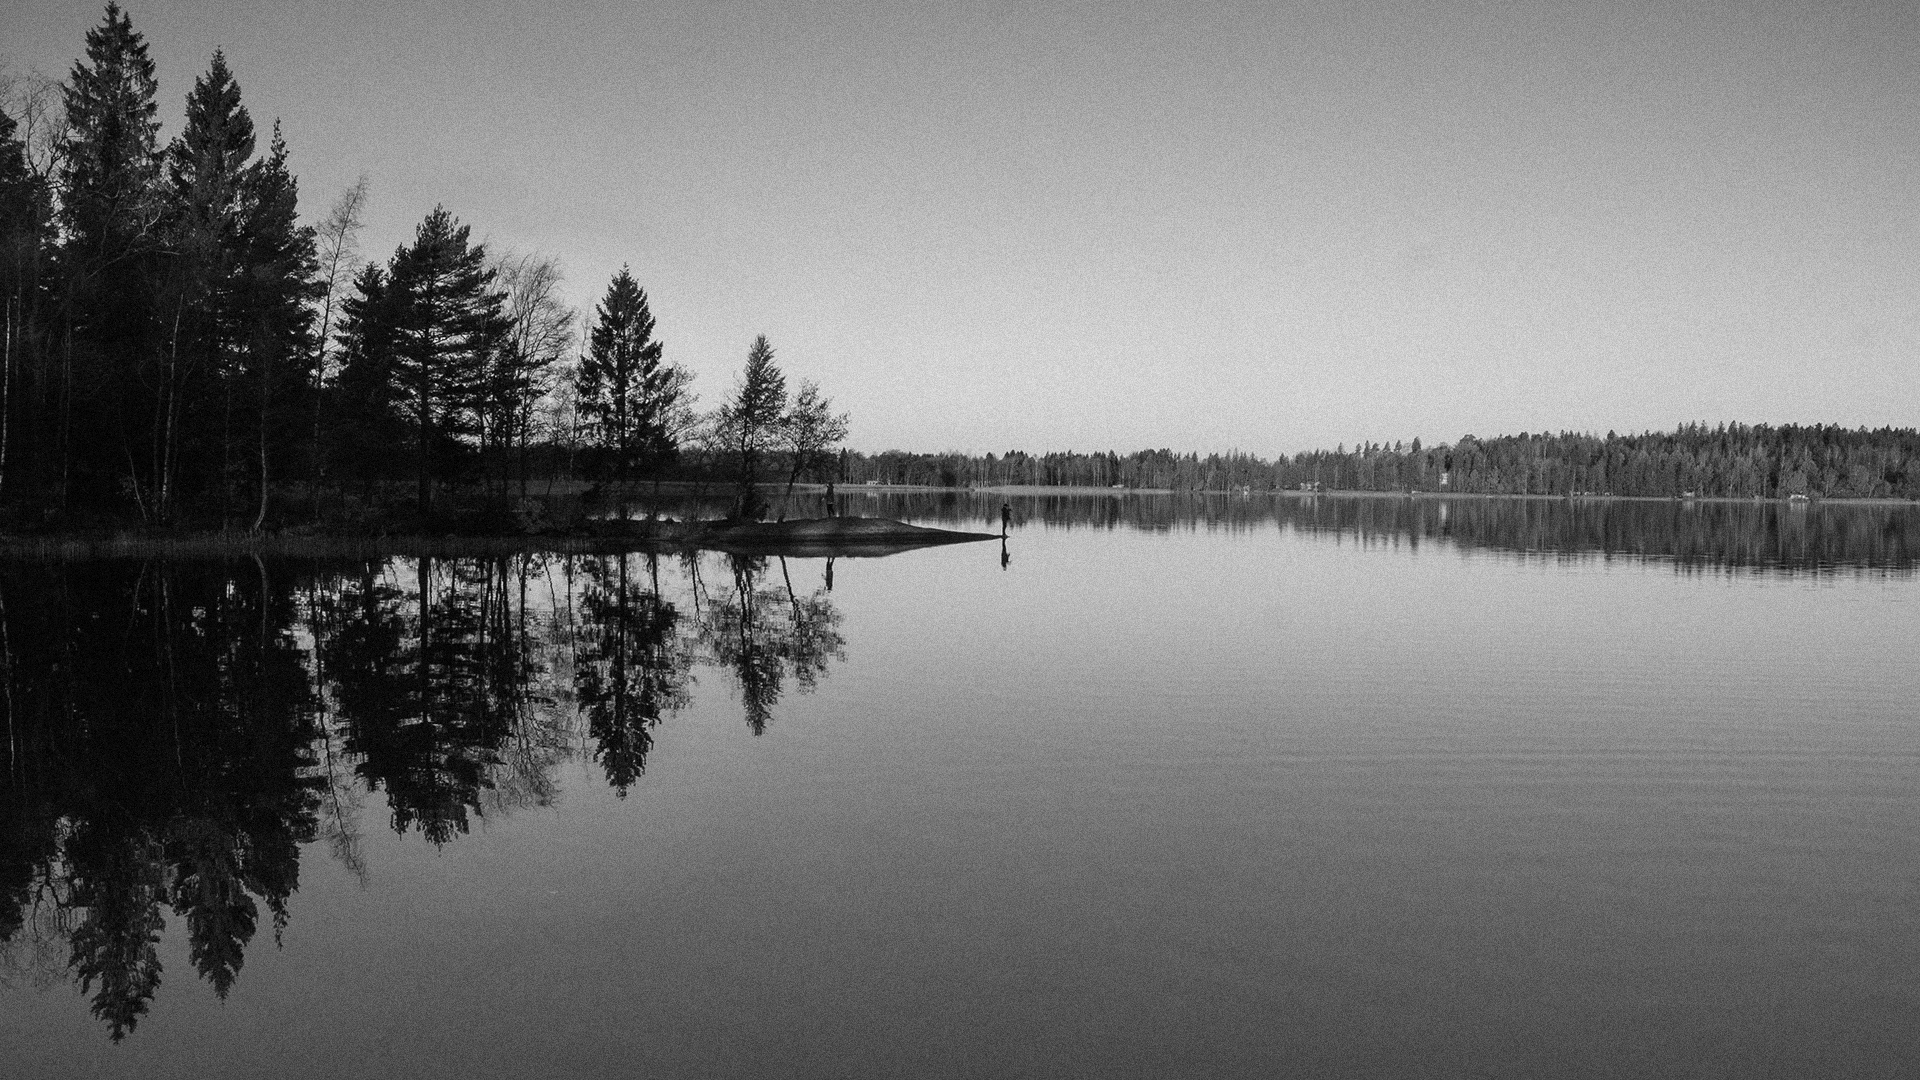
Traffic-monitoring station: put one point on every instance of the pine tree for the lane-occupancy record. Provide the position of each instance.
(448, 319)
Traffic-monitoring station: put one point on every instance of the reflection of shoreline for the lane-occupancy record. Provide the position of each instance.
(1735, 535)
(1004, 491)
(178, 733)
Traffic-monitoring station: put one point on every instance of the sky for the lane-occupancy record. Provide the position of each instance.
(1204, 226)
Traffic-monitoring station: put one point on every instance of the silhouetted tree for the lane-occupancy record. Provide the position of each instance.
(748, 425)
(539, 332)
(337, 255)
(448, 322)
(277, 292)
(111, 207)
(809, 432)
(632, 400)
(631, 670)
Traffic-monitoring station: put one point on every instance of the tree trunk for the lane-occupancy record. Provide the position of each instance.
(266, 396)
(424, 478)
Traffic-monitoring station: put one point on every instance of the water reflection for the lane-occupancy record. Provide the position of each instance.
(175, 731)
(160, 753)
(1772, 536)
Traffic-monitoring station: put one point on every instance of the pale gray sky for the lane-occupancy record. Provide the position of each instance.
(1119, 225)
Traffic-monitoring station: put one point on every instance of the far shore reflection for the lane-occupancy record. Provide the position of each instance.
(177, 730)
(1703, 534)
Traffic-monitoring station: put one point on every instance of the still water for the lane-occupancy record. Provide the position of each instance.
(1162, 787)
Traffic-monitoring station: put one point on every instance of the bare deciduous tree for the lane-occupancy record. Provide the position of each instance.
(809, 432)
(539, 336)
(339, 250)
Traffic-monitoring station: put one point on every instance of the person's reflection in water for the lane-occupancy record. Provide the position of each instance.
(1004, 557)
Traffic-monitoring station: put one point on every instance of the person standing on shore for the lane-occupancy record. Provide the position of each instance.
(1006, 518)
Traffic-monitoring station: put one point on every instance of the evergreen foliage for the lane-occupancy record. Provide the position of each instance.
(749, 425)
(168, 325)
(447, 320)
(1726, 461)
(630, 398)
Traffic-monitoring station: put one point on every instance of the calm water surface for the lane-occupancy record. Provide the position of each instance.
(1171, 787)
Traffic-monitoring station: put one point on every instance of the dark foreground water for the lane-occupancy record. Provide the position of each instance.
(1164, 788)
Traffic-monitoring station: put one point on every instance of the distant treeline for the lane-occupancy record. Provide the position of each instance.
(1768, 537)
(1729, 461)
(181, 349)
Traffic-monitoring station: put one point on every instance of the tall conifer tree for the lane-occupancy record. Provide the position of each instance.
(751, 421)
(111, 204)
(448, 318)
(279, 287)
(201, 300)
(111, 159)
(629, 395)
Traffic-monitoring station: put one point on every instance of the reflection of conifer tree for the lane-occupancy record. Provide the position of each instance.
(161, 715)
(115, 879)
(405, 708)
(431, 705)
(630, 670)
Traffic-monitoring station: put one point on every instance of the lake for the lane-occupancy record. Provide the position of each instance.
(1162, 786)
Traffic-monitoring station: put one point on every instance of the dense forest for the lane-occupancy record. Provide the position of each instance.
(185, 347)
(182, 348)
(1727, 461)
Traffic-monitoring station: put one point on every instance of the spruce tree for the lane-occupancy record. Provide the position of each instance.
(111, 203)
(278, 288)
(751, 422)
(629, 395)
(111, 158)
(201, 307)
(364, 398)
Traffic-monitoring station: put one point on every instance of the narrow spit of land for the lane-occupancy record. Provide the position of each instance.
(800, 537)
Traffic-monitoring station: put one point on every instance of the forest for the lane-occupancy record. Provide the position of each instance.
(186, 348)
(183, 349)
(1724, 461)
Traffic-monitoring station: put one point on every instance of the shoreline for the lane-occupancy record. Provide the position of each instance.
(852, 537)
(816, 535)
(1069, 489)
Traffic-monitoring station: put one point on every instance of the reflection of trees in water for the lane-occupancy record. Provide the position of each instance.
(1704, 534)
(631, 667)
(175, 732)
(437, 683)
(763, 631)
(160, 728)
